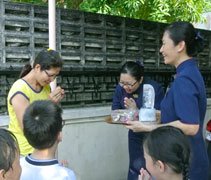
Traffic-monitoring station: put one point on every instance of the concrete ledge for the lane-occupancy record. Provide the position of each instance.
(91, 114)
(74, 114)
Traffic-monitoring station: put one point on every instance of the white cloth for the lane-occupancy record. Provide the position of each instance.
(34, 169)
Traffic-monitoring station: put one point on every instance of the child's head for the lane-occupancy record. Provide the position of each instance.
(9, 156)
(42, 123)
(166, 149)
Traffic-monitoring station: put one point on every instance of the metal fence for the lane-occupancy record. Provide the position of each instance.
(93, 46)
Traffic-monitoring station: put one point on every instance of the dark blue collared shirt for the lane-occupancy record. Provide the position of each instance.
(186, 101)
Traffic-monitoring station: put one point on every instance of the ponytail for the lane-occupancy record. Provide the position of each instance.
(25, 70)
(185, 163)
(185, 171)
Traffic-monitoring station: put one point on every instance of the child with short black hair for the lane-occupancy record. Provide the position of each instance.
(43, 129)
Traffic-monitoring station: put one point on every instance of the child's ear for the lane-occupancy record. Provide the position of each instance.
(2, 173)
(161, 166)
(59, 137)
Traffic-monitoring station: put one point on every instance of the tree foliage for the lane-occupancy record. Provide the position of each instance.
(165, 11)
(154, 10)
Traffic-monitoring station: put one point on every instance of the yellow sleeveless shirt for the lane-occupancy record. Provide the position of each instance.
(22, 87)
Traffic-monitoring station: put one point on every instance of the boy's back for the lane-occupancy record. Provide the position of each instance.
(44, 170)
(42, 122)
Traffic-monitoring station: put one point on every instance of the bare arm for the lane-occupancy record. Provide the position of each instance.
(188, 129)
(137, 126)
(20, 103)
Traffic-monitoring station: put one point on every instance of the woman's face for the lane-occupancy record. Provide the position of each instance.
(47, 76)
(169, 50)
(13, 173)
(129, 83)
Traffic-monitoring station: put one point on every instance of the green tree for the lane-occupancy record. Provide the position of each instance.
(165, 11)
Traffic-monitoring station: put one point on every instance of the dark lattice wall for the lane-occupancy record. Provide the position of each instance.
(93, 46)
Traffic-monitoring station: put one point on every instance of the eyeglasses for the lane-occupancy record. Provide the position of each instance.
(122, 84)
(50, 75)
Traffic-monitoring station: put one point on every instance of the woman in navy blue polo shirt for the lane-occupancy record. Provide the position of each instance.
(128, 94)
(184, 106)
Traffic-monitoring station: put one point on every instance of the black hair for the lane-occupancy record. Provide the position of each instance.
(184, 31)
(47, 59)
(8, 149)
(42, 123)
(171, 146)
(134, 69)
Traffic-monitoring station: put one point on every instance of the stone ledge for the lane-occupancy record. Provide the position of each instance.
(77, 115)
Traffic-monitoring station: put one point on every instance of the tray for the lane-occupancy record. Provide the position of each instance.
(108, 119)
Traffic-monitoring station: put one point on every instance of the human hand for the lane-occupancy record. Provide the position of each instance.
(56, 95)
(64, 163)
(144, 175)
(130, 103)
(138, 126)
(158, 117)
